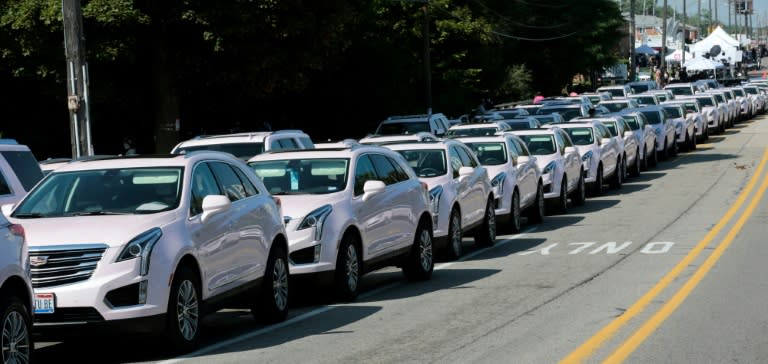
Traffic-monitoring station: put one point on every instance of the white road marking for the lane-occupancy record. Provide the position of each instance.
(221, 344)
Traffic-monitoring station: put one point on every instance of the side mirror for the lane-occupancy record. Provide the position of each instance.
(605, 141)
(7, 209)
(371, 188)
(569, 150)
(523, 159)
(465, 171)
(214, 204)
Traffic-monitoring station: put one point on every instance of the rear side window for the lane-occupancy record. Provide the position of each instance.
(4, 188)
(25, 167)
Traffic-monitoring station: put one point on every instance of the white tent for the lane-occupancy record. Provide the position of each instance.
(726, 46)
(677, 56)
(701, 64)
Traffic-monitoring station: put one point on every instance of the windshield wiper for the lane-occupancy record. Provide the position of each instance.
(29, 215)
(283, 193)
(94, 213)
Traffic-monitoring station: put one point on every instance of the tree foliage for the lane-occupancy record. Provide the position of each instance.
(314, 64)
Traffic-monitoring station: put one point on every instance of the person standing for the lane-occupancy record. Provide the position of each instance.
(129, 147)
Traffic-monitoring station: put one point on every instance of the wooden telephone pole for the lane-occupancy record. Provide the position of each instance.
(77, 79)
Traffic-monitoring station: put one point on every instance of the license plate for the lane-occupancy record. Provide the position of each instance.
(45, 303)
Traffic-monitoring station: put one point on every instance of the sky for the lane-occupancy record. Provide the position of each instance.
(760, 8)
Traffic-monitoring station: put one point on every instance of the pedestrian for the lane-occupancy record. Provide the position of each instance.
(128, 146)
(538, 98)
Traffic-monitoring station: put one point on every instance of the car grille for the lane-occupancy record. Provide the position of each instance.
(70, 315)
(55, 266)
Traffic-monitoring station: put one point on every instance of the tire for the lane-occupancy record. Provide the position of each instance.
(515, 215)
(271, 304)
(346, 283)
(420, 262)
(580, 194)
(654, 160)
(535, 212)
(635, 170)
(644, 165)
(485, 234)
(665, 151)
(673, 150)
(454, 250)
(686, 143)
(617, 179)
(598, 187)
(17, 345)
(693, 142)
(560, 205)
(184, 313)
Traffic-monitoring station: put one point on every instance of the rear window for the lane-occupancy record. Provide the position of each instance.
(674, 111)
(652, 116)
(244, 151)
(25, 167)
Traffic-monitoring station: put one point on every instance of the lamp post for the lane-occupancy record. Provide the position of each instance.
(664, 37)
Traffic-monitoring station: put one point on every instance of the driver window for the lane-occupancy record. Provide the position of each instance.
(364, 172)
(455, 161)
(203, 184)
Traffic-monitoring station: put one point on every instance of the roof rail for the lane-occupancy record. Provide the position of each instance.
(398, 117)
(8, 141)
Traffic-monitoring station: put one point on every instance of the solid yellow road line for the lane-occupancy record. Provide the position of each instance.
(592, 344)
(659, 317)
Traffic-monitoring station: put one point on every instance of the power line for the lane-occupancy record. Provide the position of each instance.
(510, 36)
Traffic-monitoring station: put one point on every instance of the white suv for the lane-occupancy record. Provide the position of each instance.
(517, 185)
(459, 191)
(19, 171)
(152, 244)
(246, 145)
(560, 163)
(15, 295)
(436, 124)
(349, 211)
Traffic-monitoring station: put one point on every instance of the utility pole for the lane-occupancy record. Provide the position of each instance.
(632, 60)
(78, 102)
(709, 22)
(427, 68)
(685, 35)
(664, 37)
(717, 19)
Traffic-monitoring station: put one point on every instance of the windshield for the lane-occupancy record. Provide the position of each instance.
(681, 90)
(391, 128)
(614, 106)
(539, 144)
(567, 113)
(674, 111)
(615, 92)
(581, 136)
(519, 124)
(547, 119)
(719, 98)
(490, 154)
(426, 162)
(632, 122)
(705, 101)
(653, 116)
(244, 151)
(478, 131)
(645, 100)
(738, 92)
(751, 90)
(611, 125)
(303, 176)
(639, 88)
(104, 192)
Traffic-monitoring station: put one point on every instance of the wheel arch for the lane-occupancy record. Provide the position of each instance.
(15, 286)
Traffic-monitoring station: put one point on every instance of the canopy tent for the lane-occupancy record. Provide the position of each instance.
(701, 64)
(717, 45)
(645, 49)
(677, 56)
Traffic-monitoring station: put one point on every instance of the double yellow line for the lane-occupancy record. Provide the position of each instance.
(626, 348)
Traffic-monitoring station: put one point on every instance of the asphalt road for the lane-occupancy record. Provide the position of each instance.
(668, 269)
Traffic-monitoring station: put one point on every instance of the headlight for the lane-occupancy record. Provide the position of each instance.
(141, 247)
(434, 198)
(498, 183)
(587, 156)
(316, 220)
(549, 168)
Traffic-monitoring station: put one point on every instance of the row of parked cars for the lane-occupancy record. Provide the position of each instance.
(153, 243)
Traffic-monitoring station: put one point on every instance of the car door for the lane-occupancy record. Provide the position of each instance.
(213, 239)
(527, 179)
(609, 152)
(630, 141)
(571, 161)
(400, 230)
(470, 190)
(373, 214)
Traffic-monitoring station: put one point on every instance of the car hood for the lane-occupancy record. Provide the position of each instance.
(112, 230)
(298, 206)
